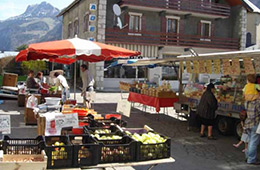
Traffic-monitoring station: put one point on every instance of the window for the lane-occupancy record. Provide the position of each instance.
(86, 22)
(205, 29)
(69, 30)
(76, 27)
(135, 22)
(248, 39)
(173, 24)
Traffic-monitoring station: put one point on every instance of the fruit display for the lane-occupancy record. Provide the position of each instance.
(59, 151)
(86, 150)
(150, 145)
(102, 131)
(112, 129)
(116, 154)
(110, 137)
(117, 149)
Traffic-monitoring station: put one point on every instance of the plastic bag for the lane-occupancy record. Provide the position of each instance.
(258, 129)
(32, 102)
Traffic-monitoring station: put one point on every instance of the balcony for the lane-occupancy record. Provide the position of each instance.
(199, 8)
(115, 35)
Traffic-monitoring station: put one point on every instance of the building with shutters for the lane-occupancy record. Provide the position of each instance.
(159, 29)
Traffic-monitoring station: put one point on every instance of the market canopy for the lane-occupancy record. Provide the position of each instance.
(69, 50)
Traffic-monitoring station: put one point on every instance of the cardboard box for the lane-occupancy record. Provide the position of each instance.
(10, 79)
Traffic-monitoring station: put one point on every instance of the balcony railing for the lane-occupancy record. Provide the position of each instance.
(115, 35)
(197, 6)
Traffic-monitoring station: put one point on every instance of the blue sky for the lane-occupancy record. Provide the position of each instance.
(10, 8)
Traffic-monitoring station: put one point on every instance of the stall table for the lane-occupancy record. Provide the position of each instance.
(151, 163)
(151, 101)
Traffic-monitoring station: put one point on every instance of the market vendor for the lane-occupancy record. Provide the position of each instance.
(40, 79)
(87, 82)
(62, 82)
(30, 81)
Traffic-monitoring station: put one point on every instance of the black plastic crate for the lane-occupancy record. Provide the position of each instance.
(113, 130)
(58, 156)
(107, 122)
(146, 152)
(117, 150)
(85, 150)
(24, 146)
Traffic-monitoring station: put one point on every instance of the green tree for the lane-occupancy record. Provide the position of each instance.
(22, 47)
(33, 65)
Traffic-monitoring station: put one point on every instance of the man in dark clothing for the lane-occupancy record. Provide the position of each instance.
(30, 82)
(206, 110)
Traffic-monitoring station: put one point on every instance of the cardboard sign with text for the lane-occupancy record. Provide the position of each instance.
(124, 107)
(5, 124)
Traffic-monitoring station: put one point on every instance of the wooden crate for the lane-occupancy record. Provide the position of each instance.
(10, 79)
(13, 162)
(21, 100)
(41, 120)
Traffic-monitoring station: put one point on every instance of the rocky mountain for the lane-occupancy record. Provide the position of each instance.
(38, 23)
(256, 2)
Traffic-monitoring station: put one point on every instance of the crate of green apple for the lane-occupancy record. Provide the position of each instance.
(149, 145)
(115, 148)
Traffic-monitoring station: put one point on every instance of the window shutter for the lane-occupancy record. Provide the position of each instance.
(199, 28)
(212, 29)
(181, 26)
(127, 20)
(163, 24)
(143, 24)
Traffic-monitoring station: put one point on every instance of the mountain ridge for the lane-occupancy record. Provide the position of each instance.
(37, 24)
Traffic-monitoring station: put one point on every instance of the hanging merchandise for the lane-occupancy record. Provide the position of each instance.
(248, 65)
(202, 68)
(235, 69)
(209, 66)
(188, 67)
(257, 64)
(226, 67)
(217, 66)
(181, 66)
(196, 67)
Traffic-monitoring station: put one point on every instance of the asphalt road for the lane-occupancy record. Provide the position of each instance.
(189, 150)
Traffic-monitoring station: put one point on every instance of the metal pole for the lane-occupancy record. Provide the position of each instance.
(75, 74)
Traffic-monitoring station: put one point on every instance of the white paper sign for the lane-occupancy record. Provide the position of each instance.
(5, 124)
(66, 120)
(124, 107)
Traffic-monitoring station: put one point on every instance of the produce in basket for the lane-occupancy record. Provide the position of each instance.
(147, 138)
(115, 154)
(102, 131)
(104, 137)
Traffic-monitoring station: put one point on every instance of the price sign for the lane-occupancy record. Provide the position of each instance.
(124, 107)
(5, 124)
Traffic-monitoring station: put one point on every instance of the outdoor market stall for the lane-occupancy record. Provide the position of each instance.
(230, 67)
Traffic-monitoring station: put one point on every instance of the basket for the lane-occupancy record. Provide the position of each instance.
(119, 150)
(117, 116)
(85, 150)
(58, 156)
(146, 152)
(23, 146)
(107, 122)
(113, 130)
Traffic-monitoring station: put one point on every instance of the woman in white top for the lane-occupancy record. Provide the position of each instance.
(64, 84)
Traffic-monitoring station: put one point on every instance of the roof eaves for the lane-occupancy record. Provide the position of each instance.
(252, 7)
(68, 8)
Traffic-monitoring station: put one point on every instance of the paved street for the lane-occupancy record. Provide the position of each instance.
(190, 151)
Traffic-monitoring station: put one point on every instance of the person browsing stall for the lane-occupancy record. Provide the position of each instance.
(30, 81)
(87, 81)
(206, 110)
(64, 84)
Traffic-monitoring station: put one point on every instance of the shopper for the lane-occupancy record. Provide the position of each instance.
(252, 105)
(30, 81)
(40, 79)
(206, 110)
(64, 84)
(87, 82)
(250, 89)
